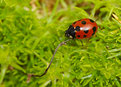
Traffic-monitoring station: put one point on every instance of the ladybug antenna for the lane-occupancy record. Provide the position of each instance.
(62, 43)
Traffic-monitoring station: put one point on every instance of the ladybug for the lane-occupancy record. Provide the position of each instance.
(81, 29)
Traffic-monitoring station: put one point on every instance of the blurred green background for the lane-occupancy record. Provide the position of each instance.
(30, 30)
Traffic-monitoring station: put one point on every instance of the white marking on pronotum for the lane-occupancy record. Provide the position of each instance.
(81, 28)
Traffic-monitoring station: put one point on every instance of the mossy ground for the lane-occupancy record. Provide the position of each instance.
(28, 39)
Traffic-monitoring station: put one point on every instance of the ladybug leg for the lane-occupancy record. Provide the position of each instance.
(88, 40)
(81, 42)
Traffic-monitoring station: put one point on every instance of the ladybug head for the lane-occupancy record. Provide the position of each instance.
(70, 32)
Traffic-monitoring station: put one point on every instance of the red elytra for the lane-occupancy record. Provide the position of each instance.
(84, 28)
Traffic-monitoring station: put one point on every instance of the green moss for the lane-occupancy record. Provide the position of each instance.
(28, 40)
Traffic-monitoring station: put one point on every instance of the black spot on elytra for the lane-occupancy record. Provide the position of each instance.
(78, 35)
(83, 22)
(84, 35)
(94, 29)
(86, 31)
(91, 20)
(77, 28)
